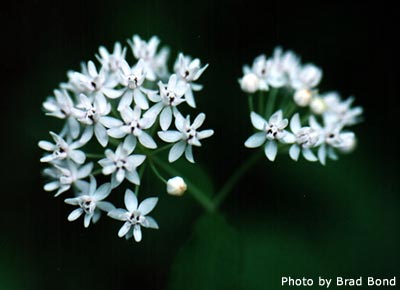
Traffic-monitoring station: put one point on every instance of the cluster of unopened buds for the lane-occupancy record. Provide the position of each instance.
(123, 111)
(288, 111)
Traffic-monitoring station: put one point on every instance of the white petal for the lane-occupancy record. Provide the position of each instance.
(111, 93)
(271, 149)
(189, 153)
(118, 214)
(75, 214)
(147, 141)
(295, 124)
(276, 117)
(288, 138)
(77, 156)
(46, 145)
(101, 134)
(309, 155)
(205, 134)
(131, 201)
(322, 154)
(124, 229)
(137, 233)
(51, 186)
(150, 223)
(105, 206)
(190, 98)
(85, 170)
(170, 136)
(116, 133)
(120, 175)
(257, 121)
(92, 69)
(72, 201)
(255, 140)
(153, 112)
(147, 205)
(199, 120)
(129, 143)
(86, 220)
(110, 122)
(126, 100)
(133, 177)
(294, 152)
(176, 151)
(102, 192)
(166, 118)
(140, 99)
(74, 127)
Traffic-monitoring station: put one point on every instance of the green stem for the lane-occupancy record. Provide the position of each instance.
(196, 192)
(94, 155)
(97, 171)
(141, 170)
(250, 102)
(269, 108)
(155, 152)
(260, 101)
(235, 177)
(156, 172)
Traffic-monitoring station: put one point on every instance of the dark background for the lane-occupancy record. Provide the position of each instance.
(283, 219)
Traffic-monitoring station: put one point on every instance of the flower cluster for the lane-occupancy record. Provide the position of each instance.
(113, 113)
(285, 89)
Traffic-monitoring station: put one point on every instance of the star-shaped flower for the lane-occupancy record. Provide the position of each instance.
(90, 202)
(186, 136)
(135, 216)
(170, 97)
(271, 133)
(189, 71)
(133, 127)
(122, 163)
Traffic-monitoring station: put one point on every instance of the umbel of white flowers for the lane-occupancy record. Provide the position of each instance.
(127, 109)
(287, 97)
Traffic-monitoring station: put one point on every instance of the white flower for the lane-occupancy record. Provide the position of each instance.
(277, 76)
(259, 68)
(122, 164)
(112, 61)
(134, 127)
(176, 186)
(189, 70)
(170, 97)
(61, 107)
(132, 79)
(249, 83)
(306, 138)
(135, 216)
(307, 77)
(186, 136)
(64, 177)
(92, 113)
(302, 97)
(333, 138)
(62, 149)
(90, 202)
(340, 112)
(91, 81)
(155, 64)
(271, 133)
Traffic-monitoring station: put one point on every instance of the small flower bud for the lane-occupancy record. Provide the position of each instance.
(349, 143)
(302, 97)
(249, 83)
(176, 186)
(318, 105)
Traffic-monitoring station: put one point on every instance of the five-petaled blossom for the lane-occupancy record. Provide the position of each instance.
(186, 136)
(272, 132)
(90, 202)
(122, 163)
(135, 216)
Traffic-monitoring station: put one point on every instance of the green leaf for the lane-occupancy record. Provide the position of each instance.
(210, 259)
